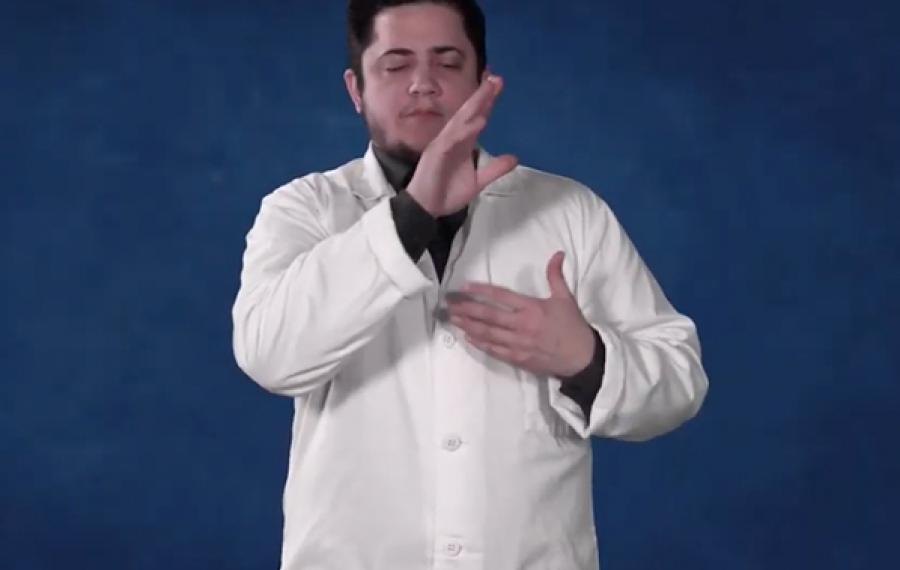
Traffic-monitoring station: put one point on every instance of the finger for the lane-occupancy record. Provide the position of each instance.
(512, 340)
(480, 100)
(468, 122)
(496, 336)
(486, 102)
(467, 133)
(496, 168)
(486, 333)
(501, 295)
(457, 297)
(455, 135)
(507, 354)
(488, 106)
(486, 314)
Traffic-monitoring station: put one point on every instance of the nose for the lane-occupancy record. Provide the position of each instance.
(423, 82)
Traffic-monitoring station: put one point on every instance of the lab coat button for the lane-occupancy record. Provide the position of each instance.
(449, 340)
(453, 548)
(452, 442)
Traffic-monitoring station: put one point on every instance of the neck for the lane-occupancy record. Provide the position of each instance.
(397, 166)
(400, 155)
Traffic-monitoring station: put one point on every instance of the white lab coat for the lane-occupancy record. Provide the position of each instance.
(411, 449)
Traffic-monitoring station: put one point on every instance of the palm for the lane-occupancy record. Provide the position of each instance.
(446, 179)
(462, 184)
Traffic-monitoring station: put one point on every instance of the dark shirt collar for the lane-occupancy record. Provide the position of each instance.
(397, 171)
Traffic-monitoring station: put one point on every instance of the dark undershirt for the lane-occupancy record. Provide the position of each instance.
(418, 231)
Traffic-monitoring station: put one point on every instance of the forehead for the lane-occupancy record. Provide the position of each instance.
(418, 27)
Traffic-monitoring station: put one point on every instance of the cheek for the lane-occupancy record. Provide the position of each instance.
(384, 102)
(452, 102)
(375, 112)
(457, 92)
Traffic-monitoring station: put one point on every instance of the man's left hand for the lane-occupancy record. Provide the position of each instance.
(545, 336)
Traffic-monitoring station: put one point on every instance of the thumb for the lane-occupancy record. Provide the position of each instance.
(558, 287)
(496, 168)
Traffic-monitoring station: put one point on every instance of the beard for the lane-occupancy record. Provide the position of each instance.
(378, 134)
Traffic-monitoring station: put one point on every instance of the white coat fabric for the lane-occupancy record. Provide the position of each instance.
(412, 449)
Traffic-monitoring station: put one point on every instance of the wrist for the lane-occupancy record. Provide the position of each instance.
(423, 203)
(584, 351)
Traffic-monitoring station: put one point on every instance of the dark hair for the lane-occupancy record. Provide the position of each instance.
(361, 14)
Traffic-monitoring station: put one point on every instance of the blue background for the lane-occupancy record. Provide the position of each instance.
(749, 148)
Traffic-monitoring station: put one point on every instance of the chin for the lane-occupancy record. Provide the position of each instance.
(403, 150)
(421, 134)
(412, 146)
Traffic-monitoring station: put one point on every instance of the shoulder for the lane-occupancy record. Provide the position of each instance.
(316, 189)
(531, 183)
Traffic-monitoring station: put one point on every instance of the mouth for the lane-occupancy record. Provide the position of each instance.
(424, 114)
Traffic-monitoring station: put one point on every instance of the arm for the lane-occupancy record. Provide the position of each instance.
(653, 379)
(415, 226)
(308, 299)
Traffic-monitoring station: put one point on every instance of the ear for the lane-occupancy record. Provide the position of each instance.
(353, 89)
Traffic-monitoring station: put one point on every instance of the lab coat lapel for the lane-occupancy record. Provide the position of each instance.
(373, 185)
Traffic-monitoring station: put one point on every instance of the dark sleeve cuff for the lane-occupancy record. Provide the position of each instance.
(583, 386)
(415, 226)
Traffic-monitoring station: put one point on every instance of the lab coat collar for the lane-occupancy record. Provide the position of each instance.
(376, 186)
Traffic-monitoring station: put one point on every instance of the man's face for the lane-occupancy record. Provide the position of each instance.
(419, 69)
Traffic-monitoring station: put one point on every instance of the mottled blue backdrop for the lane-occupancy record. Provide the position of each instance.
(751, 150)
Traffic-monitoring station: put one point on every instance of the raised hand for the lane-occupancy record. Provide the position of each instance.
(445, 179)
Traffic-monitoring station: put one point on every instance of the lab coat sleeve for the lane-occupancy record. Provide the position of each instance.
(307, 299)
(653, 379)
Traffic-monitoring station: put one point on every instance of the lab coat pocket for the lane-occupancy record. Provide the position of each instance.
(540, 417)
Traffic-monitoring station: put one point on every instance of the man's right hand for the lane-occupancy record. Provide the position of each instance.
(445, 180)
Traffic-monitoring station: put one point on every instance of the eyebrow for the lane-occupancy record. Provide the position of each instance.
(439, 50)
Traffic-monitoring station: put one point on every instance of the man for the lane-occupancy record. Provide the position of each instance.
(452, 327)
